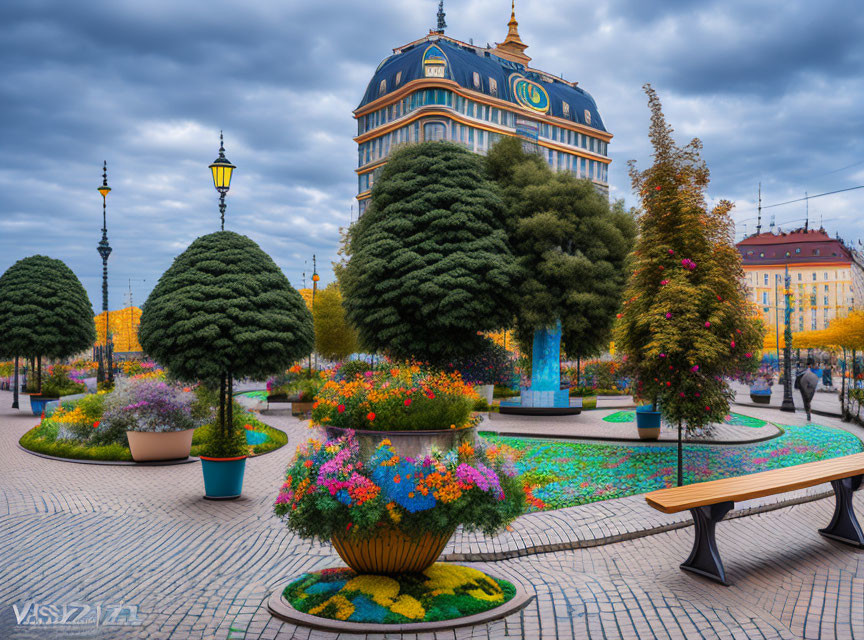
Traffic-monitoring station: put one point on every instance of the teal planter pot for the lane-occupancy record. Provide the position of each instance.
(647, 422)
(38, 402)
(223, 477)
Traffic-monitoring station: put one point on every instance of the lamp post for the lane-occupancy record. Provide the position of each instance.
(315, 279)
(788, 402)
(222, 170)
(104, 250)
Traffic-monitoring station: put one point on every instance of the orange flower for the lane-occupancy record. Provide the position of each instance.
(96, 424)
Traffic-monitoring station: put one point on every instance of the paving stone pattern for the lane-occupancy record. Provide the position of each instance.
(199, 569)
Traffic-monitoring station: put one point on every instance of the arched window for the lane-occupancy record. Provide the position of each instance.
(433, 131)
(382, 88)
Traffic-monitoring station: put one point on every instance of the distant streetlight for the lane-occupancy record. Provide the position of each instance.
(222, 170)
(104, 250)
(788, 401)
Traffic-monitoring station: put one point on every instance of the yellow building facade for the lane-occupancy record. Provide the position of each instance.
(825, 278)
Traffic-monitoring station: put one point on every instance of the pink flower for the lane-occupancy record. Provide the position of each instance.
(662, 355)
(748, 355)
(664, 282)
(681, 394)
(707, 324)
(733, 344)
(671, 252)
(694, 368)
(668, 315)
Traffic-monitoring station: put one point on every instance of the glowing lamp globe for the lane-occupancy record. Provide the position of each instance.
(222, 170)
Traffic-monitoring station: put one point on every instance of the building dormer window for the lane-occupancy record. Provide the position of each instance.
(382, 88)
(493, 87)
(565, 107)
(476, 78)
(398, 78)
(587, 116)
(815, 252)
(798, 250)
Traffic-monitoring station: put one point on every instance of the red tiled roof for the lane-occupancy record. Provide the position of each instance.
(768, 248)
(798, 235)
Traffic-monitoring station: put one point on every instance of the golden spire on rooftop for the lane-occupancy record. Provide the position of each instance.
(513, 48)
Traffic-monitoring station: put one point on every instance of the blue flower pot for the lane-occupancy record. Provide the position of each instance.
(38, 402)
(223, 477)
(647, 422)
(256, 437)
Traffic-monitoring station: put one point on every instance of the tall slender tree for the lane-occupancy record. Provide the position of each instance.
(686, 324)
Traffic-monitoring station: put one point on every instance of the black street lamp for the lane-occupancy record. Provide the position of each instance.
(222, 170)
(104, 250)
(788, 402)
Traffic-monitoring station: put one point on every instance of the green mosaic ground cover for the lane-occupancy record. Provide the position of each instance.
(561, 474)
(736, 419)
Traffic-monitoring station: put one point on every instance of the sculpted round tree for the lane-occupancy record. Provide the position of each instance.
(571, 247)
(222, 310)
(686, 324)
(44, 311)
(430, 263)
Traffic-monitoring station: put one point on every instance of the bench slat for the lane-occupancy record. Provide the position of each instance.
(755, 485)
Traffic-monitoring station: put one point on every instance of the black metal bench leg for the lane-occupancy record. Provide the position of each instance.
(705, 559)
(844, 525)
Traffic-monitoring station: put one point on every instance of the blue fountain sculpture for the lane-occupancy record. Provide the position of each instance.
(545, 391)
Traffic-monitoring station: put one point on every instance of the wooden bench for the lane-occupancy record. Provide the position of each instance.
(709, 502)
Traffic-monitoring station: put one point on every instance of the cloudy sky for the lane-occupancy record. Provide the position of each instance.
(774, 89)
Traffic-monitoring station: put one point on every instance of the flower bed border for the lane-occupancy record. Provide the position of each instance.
(280, 608)
(116, 463)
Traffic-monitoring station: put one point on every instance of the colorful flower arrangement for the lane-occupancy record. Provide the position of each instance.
(397, 398)
(297, 384)
(442, 592)
(142, 404)
(140, 368)
(329, 490)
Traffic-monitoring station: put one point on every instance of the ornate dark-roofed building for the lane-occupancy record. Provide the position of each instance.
(440, 88)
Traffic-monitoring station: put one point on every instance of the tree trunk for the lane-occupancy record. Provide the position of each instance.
(39, 373)
(222, 405)
(843, 387)
(15, 389)
(230, 401)
(680, 456)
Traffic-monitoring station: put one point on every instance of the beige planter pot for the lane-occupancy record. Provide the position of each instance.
(413, 444)
(485, 391)
(170, 445)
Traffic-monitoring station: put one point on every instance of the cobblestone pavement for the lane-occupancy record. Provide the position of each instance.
(824, 401)
(199, 569)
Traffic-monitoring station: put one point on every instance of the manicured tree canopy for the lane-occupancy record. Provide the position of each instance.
(334, 337)
(571, 248)
(44, 310)
(430, 263)
(686, 323)
(224, 306)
